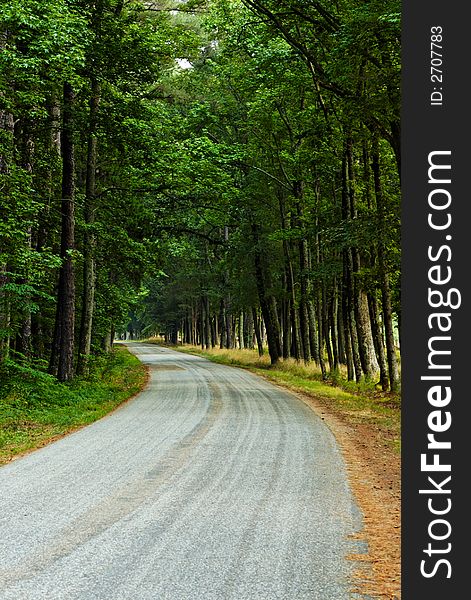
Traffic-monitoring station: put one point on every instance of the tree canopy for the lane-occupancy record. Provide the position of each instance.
(222, 172)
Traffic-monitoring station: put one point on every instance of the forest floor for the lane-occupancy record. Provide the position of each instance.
(35, 409)
(366, 423)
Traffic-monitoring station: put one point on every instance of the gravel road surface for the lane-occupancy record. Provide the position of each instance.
(212, 484)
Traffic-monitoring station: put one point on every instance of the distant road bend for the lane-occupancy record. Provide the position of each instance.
(212, 484)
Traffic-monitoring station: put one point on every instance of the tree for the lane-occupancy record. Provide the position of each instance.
(225, 173)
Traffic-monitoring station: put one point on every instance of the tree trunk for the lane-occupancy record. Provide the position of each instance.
(292, 327)
(89, 273)
(267, 301)
(108, 340)
(394, 381)
(325, 327)
(287, 328)
(347, 338)
(62, 357)
(213, 332)
(258, 333)
(304, 307)
(248, 330)
(333, 326)
(378, 341)
(320, 336)
(347, 211)
(228, 324)
(222, 324)
(340, 328)
(366, 350)
(366, 343)
(207, 323)
(201, 321)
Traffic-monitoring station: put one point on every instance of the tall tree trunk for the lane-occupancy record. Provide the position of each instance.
(267, 301)
(347, 337)
(366, 349)
(222, 324)
(258, 333)
(292, 327)
(320, 335)
(62, 357)
(189, 327)
(341, 328)
(207, 322)
(394, 381)
(214, 332)
(42, 328)
(351, 330)
(228, 324)
(333, 308)
(201, 324)
(226, 328)
(248, 330)
(304, 304)
(354, 338)
(316, 351)
(378, 341)
(108, 339)
(326, 329)
(287, 328)
(365, 336)
(89, 273)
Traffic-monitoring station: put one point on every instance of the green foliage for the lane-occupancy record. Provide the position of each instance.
(227, 134)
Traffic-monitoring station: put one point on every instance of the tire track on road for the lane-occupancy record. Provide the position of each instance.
(212, 484)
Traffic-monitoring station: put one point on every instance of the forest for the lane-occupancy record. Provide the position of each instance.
(224, 173)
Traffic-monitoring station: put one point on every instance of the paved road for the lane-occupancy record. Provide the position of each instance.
(211, 485)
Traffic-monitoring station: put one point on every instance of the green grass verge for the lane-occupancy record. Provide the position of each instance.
(35, 408)
(359, 403)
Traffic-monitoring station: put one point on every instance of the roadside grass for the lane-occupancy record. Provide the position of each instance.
(35, 408)
(360, 403)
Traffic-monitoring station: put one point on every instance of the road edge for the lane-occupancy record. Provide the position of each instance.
(55, 438)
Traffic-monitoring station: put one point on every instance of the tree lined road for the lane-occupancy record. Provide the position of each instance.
(212, 484)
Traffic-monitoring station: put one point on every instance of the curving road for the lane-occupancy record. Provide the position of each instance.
(211, 484)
